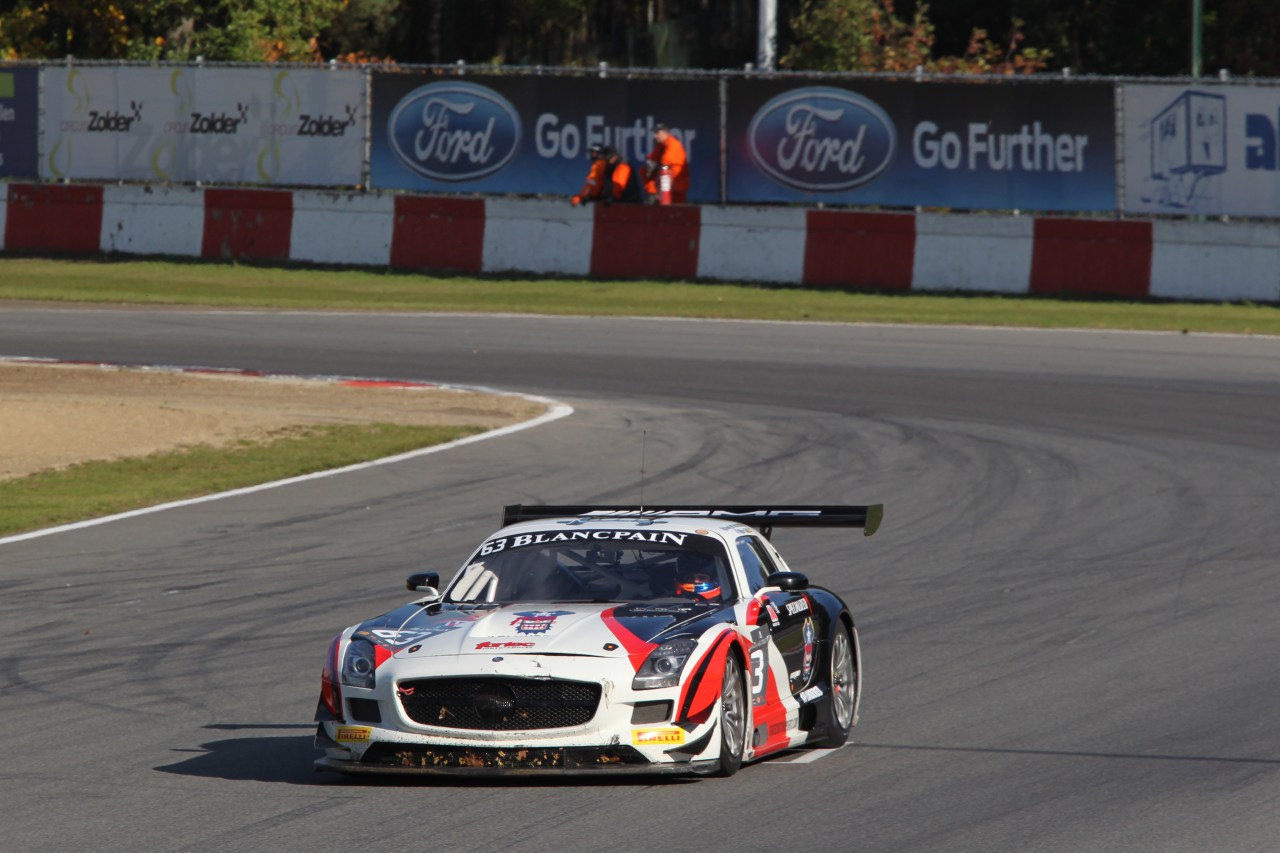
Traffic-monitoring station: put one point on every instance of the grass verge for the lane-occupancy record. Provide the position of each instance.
(230, 285)
(93, 489)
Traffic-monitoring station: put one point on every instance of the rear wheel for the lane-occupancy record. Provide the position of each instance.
(842, 704)
(733, 718)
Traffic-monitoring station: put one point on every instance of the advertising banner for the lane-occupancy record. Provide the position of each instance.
(530, 135)
(231, 125)
(1212, 150)
(1028, 146)
(19, 122)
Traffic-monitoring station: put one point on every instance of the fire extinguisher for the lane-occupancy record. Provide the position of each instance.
(664, 185)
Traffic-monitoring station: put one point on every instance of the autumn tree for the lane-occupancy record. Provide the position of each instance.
(868, 35)
(115, 29)
(230, 30)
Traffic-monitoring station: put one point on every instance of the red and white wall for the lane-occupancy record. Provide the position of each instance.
(784, 245)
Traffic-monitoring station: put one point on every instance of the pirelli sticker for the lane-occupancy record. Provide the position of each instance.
(665, 736)
(352, 734)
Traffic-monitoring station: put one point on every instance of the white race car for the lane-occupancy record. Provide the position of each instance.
(583, 639)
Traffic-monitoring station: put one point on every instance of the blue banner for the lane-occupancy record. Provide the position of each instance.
(19, 122)
(530, 134)
(989, 146)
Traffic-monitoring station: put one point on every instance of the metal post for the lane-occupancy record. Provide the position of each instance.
(1197, 34)
(366, 149)
(768, 35)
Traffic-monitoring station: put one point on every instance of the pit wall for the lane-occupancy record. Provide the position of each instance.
(1217, 261)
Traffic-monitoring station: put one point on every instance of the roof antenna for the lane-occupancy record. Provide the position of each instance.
(644, 437)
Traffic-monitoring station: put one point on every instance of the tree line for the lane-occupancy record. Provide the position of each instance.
(993, 36)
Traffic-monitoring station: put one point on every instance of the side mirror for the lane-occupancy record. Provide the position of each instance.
(788, 581)
(422, 581)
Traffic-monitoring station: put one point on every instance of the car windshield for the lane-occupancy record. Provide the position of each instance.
(596, 565)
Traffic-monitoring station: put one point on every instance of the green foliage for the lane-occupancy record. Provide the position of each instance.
(868, 35)
(545, 32)
(119, 29)
(990, 36)
(232, 30)
(364, 30)
(857, 35)
(264, 30)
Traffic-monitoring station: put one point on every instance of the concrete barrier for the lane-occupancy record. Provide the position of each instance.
(438, 233)
(537, 237)
(1216, 260)
(752, 244)
(54, 218)
(779, 245)
(152, 220)
(989, 254)
(342, 228)
(863, 250)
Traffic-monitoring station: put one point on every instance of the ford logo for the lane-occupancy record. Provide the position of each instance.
(821, 139)
(454, 131)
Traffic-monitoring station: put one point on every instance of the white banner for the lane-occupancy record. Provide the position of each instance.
(301, 126)
(1211, 150)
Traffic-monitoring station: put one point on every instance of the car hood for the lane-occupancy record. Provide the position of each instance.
(555, 628)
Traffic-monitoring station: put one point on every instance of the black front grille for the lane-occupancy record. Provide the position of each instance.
(498, 704)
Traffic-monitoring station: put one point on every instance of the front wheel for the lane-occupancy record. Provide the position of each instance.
(845, 687)
(733, 718)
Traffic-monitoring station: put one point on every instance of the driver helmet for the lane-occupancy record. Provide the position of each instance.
(696, 577)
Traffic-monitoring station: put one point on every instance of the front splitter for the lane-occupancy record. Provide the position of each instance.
(697, 768)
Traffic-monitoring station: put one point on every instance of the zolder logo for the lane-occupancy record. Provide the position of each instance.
(454, 132)
(821, 139)
(327, 125)
(220, 122)
(115, 122)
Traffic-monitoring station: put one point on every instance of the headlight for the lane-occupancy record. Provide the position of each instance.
(360, 664)
(663, 666)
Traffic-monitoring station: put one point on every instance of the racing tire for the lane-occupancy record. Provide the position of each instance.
(733, 718)
(845, 688)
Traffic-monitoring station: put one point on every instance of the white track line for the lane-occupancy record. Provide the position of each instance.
(808, 757)
(556, 411)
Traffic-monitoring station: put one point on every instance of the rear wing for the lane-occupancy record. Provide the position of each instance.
(763, 517)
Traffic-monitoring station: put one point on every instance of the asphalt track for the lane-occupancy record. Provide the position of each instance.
(1070, 619)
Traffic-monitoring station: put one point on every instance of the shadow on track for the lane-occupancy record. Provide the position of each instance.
(288, 759)
(280, 758)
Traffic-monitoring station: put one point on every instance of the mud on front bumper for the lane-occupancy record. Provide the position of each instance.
(448, 759)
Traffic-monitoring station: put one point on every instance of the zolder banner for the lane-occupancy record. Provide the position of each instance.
(1208, 150)
(19, 121)
(531, 135)
(233, 125)
(905, 143)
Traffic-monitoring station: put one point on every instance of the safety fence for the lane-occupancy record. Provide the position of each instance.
(1040, 144)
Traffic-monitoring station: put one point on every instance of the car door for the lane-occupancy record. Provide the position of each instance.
(787, 616)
